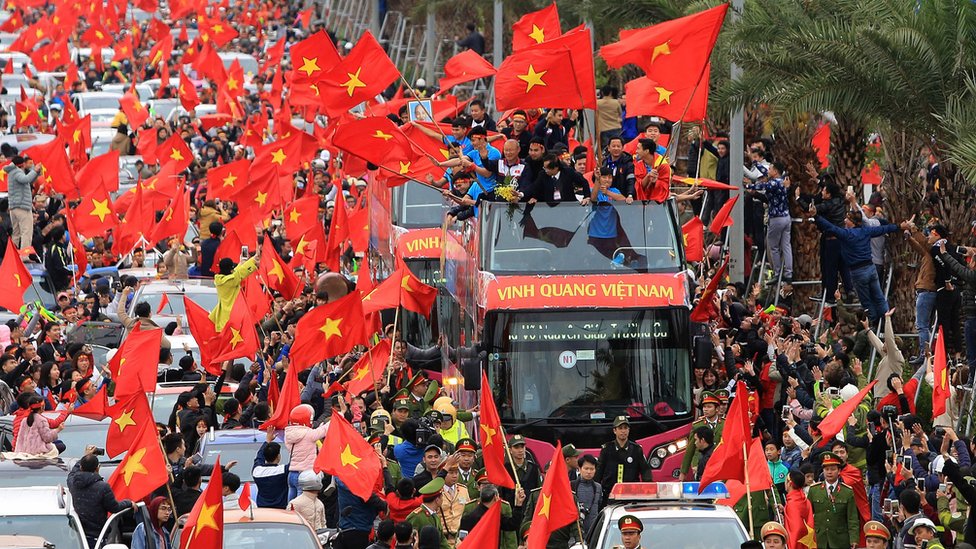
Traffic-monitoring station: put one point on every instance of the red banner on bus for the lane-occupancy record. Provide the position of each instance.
(420, 243)
(577, 291)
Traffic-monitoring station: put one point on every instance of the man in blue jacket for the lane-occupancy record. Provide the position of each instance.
(855, 242)
(270, 475)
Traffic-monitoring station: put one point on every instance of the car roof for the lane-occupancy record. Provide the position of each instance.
(21, 541)
(96, 94)
(34, 500)
(262, 514)
(191, 285)
(177, 387)
(231, 436)
(670, 510)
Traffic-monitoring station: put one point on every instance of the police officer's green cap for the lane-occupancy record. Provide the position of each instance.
(419, 377)
(516, 440)
(570, 451)
(432, 489)
(481, 475)
(621, 420)
(401, 403)
(630, 523)
(722, 395)
(830, 458)
(466, 445)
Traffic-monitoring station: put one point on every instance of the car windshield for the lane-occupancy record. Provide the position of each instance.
(174, 302)
(570, 365)
(568, 238)
(673, 532)
(261, 535)
(240, 450)
(100, 101)
(417, 206)
(248, 64)
(60, 531)
(77, 437)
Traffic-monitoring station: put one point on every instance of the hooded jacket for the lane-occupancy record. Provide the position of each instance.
(19, 185)
(93, 500)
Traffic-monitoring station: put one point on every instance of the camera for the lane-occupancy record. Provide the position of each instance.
(939, 432)
(99, 452)
(889, 410)
(429, 425)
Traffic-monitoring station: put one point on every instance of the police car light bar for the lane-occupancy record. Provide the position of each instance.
(637, 491)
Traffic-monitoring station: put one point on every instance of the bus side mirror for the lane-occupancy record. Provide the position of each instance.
(471, 369)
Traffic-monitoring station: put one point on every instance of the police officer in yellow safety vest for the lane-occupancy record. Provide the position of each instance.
(621, 460)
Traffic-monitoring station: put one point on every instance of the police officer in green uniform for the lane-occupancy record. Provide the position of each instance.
(630, 531)
(559, 539)
(467, 450)
(401, 412)
(835, 516)
(521, 464)
(710, 418)
(723, 402)
(488, 494)
(621, 460)
(429, 512)
(420, 393)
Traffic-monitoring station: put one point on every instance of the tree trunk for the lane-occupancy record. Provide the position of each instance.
(847, 142)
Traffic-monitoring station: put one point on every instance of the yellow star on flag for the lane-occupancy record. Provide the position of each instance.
(532, 78)
(544, 505)
(76, 136)
(206, 518)
(24, 114)
(661, 49)
(361, 373)
(125, 420)
(19, 283)
(236, 338)
(229, 180)
(331, 328)
(349, 458)
(405, 284)
(537, 34)
(404, 167)
(488, 434)
(294, 215)
(231, 83)
(100, 208)
(261, 198)
(384, 136)
(133, 465)
(353, 82)
(663, 95)
(278, 157)
(315, 88)
(175, 154)
(277, 272)
(218, 28)
(302, 243)
(309, 65)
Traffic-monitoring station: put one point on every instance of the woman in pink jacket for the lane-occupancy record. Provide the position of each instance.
(301, 440)
(36, 436)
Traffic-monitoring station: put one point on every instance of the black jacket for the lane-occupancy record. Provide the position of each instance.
(544, 189)
(967, 276)
(93, 500)
(56, 262)
(509, 524)
(833, 210)
(208, 249)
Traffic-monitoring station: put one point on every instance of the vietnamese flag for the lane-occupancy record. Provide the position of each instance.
(14, 279)
(209, 65)
(257, 300)
(56, 172)
(670, 99)
(537, 76)
(493, 438)
(175, 217)
(798, 520)
(26, 111)
(678, 46)
(312, 57)
(464, 67)
(79, 255)
(693, 233)
(820, 142)
(359, 77)
(723, 218)
(203, 331)
(128, 416)
(163, 304)
(146, 144)
(556, 506)
(135, 112)
(137, 222)
(401, 288)
(188, 93)
(77, 135)
(302, 215)
(706, 307)
(347, 455)
(228, 179)
(174, 151)
(276, 274)
(204, 528)
(940, 393)
(536, 27)
(728, 460)
(237, 339)
(375, 139)
(369, 368)
(244, 500)
(486, 532)
(836, 418)
(134, 365)
(143, 469)
(759, 476)
(96, 408)
(329, 330)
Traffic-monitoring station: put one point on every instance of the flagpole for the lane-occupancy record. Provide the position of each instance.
(369, 353)
(779, 517)
(508, 452)
(169, 491)
(389, 363)
(745, 456)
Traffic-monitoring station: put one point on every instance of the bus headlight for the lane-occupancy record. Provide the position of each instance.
(661, 453)
(655, 462)
(657, 455)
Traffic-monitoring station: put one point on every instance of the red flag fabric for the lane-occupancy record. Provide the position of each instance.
(329, 330)
(128, 416)
(360, 76)
(465, 67)
(727, 461)
(96, 408)
(227, 180)
(940, 393)
(302, 216)
(723, 218)
(537, 76)
(273, 392)
(835, 420)
(204, 528)
(536, 27)
(852, 477)
(369, 368)
(798, 519)
(244, 501)
(288, 398)
(135, 363)
(680, 45)
(487, 530)
(705, 308)
(669, 99)
(203, 331)
(375, 139)
(492, 438)
(693, 233)
(237, 338)
(56, 172)
(313, 57)
(143, 469)
(176, 152)
(709, 184)
(821, 145)
(401, 288)
(188, 93)
(556, 506)
(135, 112)
(14, 279)
(175, 217)
(759, 477)
(100, 174)
(276, 274)
(347, 455)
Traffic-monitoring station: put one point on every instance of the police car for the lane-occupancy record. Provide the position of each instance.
(673, 514)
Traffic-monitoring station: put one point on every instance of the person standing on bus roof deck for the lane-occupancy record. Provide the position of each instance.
(621, 460)
(709, 418)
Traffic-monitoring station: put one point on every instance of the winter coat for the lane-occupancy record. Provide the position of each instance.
(19, 187)
(93, 500)
(300, 441)
(36, 438)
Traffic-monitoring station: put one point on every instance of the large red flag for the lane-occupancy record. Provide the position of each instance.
(143, 469)
(667, 98)
(464, 67)
(401, 288)
(204, 528)
(288, 398)
(727, 461)
(835, 420)
(759, 477)
(723, 218)
(56, 172)
(347, 455)
(538, 76)
(536, 27)
(203, 331)
(940, 393)
(96, 408)
(798, 519)
(693, 233)
(237, 338)
(128, 416)
(329, 330)
(492, 438)
(705, 307)
(313, 57)
(369, 368)
(135, 364)
(14, 279)
(556, 506)
(276, 274)
(487, 530)
(135, 112)
(359, 77)
(821, 145)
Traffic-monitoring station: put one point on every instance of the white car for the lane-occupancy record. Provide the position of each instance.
(88, 101)
(145, 92)
(201, 291)
(101, 138)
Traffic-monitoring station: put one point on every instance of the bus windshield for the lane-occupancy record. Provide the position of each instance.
(566, 238)
(417, 206)
(581, 366)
